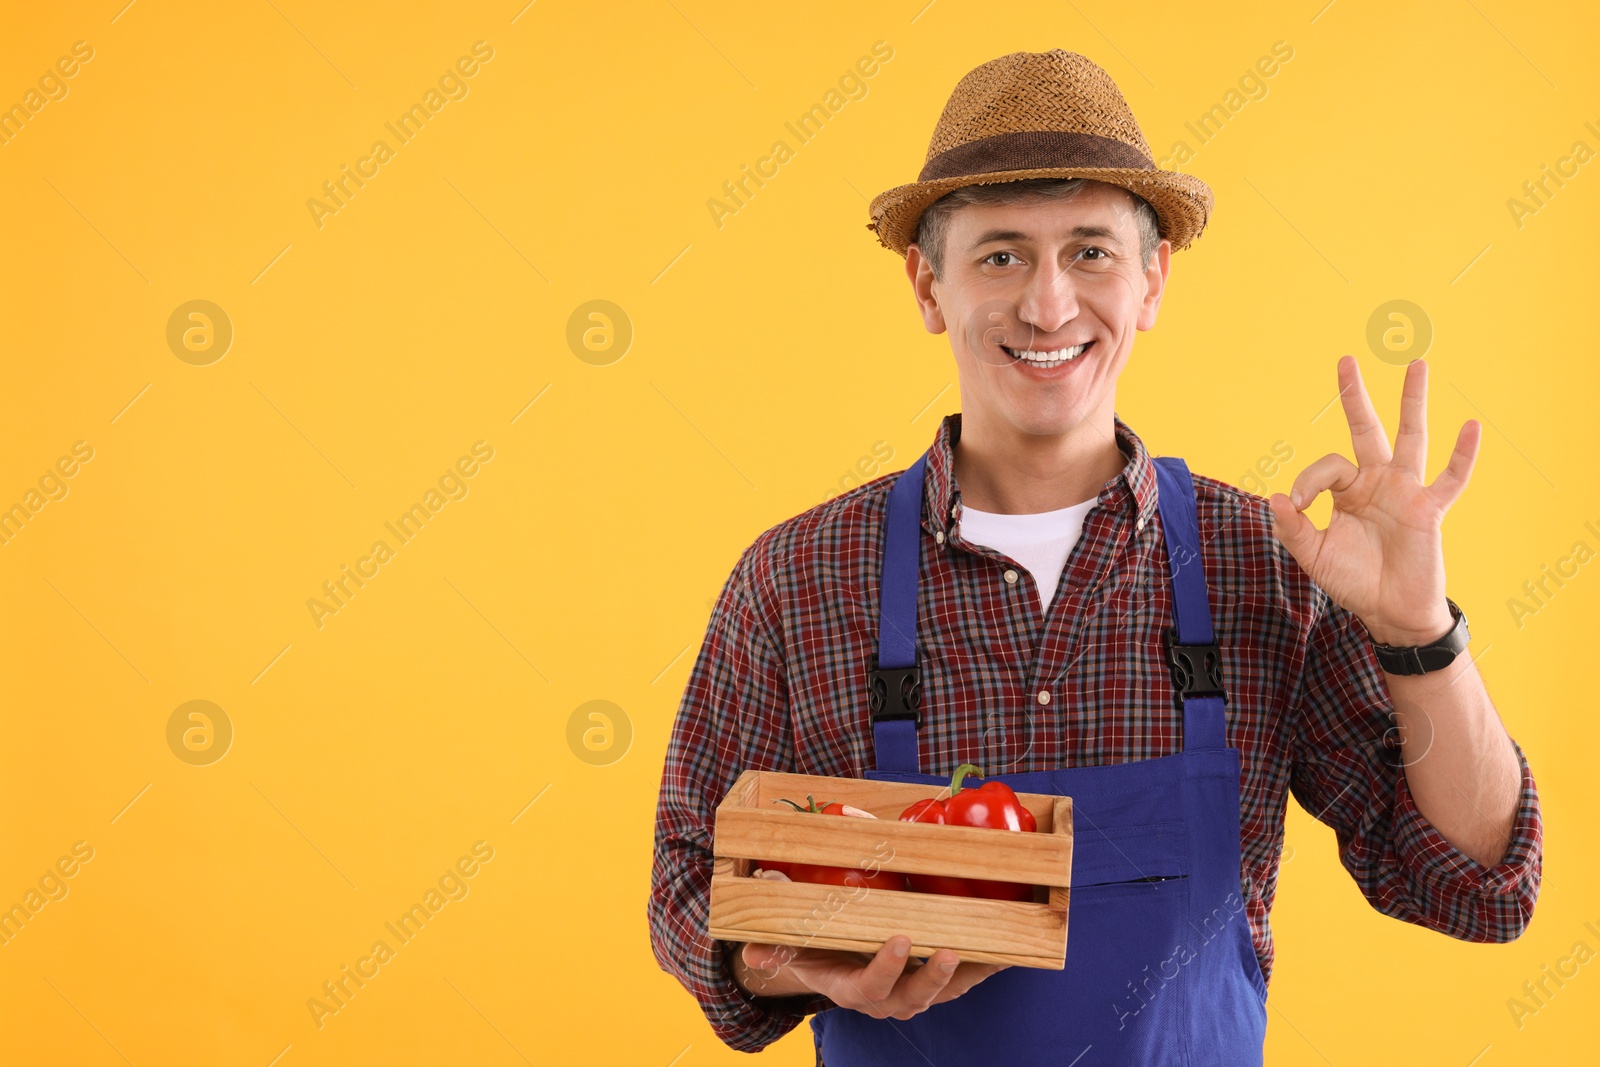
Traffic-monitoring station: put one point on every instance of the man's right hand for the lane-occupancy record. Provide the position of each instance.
(879, 985)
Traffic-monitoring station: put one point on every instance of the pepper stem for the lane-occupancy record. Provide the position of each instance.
(811, 800)
(961, 772)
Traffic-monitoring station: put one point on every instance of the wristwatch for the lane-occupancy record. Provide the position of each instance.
(1420, 659)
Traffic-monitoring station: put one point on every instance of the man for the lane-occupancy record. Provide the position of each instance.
(1175, 654)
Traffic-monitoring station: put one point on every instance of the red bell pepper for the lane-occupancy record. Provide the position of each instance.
(830, 875)
(993, 805)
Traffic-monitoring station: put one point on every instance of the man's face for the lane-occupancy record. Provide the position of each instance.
(1038, 277)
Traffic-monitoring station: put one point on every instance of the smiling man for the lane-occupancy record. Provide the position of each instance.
(1038, 350)
(1041, 596)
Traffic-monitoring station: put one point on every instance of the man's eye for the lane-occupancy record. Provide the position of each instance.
(1101, 253)
(991, 256)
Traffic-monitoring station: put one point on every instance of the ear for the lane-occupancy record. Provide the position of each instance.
(923, 284)
(1155, 279)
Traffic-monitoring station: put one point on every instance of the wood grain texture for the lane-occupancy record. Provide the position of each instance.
(750, 828)
(861, 919)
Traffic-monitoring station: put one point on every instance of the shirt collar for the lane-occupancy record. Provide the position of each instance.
(1132, 492)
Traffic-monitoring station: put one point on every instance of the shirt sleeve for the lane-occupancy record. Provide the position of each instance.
(1348, 773)
(734, 715)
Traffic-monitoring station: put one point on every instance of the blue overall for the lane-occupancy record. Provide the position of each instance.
(1160, 968)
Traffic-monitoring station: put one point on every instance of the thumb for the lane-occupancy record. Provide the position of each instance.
(1294, 529)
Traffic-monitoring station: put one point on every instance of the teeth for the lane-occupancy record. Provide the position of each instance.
(1047, 359)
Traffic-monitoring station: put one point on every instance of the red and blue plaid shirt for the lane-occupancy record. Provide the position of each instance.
(780, 683)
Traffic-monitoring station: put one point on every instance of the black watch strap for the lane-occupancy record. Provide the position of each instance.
(1421, 659)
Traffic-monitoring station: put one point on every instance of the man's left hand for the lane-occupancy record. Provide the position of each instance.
(1381, 556)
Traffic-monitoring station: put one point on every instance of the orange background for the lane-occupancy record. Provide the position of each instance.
(753, 365)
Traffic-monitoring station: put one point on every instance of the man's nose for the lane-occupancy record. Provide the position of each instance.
(1050, 300)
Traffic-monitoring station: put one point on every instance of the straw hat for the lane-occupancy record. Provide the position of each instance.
(1052, 114)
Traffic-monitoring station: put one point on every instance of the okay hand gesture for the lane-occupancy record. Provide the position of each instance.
(1381, 556)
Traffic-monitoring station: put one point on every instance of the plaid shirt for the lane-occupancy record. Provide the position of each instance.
(780, 684)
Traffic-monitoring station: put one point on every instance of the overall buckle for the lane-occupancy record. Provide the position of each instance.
(1196, 669)
(895, 693)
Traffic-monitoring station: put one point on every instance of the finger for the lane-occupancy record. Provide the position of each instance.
(1297, 532)
(1366, 432)
(966, 976)
(1453, 479)
(875, 982)
(1411, 440)
(922, 986)
(1331, 472)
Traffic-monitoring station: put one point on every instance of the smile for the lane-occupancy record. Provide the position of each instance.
(1052, 358)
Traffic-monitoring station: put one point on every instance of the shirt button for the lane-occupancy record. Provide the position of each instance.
(1011, 577)
(1140, 524)
(1044, 696)
(938, 535)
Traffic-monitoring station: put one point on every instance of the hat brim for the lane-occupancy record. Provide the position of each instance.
(1181, 201)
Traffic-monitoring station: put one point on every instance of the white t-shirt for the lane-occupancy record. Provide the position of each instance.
(1041, 542)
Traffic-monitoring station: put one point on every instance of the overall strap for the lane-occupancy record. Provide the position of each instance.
(895, 678)
(1191, 645)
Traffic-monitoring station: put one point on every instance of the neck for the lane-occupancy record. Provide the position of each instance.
(1002, 469)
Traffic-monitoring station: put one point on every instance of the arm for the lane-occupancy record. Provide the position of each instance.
(734, 715)
(1378, 572)
(1462, 769)
(1353, 771)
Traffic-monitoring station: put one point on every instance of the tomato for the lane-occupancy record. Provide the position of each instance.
(827, 874)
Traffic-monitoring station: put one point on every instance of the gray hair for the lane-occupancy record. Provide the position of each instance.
(935, 222)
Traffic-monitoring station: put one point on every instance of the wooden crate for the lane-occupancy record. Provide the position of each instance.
(751, 828)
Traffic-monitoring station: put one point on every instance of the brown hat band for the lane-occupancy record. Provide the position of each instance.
(1031, 149)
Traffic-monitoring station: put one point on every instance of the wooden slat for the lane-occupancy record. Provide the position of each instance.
(886, 800)
(1062, 816)
(821, 916)
(920, 848)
